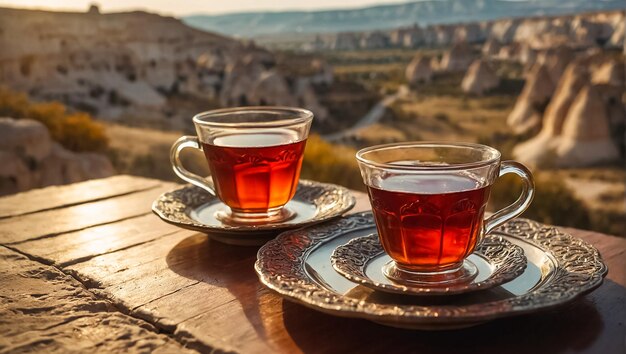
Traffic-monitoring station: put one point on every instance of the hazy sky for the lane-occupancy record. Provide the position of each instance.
(184, 7)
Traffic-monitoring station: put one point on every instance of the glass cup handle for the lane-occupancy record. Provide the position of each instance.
(180, 144)
(521, 204)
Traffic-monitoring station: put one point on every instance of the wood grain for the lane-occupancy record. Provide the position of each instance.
(79, 246)
(68, 195)
(58, 221)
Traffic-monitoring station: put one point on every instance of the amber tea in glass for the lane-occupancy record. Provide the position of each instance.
(255, 172)
(429, 201)
(254, 155)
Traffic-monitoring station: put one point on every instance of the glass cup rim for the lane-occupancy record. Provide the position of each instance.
(494, 158)
(301, 115)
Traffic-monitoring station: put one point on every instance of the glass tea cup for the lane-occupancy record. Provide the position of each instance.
(429, 199)
(254, 156)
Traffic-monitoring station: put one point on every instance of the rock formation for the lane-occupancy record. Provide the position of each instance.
(509, 52)
(574, 78)
(586, 137)
(30, 159)
(584, 123)
(419, 70)
(491, 48)
(547, 69)
(458, 58)
(618, 36)
(527, 112)
(308, 98)
(609, 72)
(527, 55)
(271, 87)
(471, 33)
(479, 78)
(537, 150)
(122, 66)
(239, 77)
(374, 40)
(541, 32)
(87, 61)
(345, 41)
(555, 60)
(504, 30)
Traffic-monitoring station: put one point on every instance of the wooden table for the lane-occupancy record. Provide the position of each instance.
(88, 266)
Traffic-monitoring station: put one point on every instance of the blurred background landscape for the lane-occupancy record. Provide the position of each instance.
(88, 91)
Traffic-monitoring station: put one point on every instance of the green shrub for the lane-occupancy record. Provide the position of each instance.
(75, 131)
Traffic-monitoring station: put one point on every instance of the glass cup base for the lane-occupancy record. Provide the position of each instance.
(464, 273)
(276, 215)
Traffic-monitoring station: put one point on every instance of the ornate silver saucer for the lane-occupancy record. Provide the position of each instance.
(192, 208)
(560, 269)
(363, 259)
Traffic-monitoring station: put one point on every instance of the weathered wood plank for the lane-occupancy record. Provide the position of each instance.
(74, 247)
(45, 311)
(242, 325)
(222, 272)
(153, 278)
(57, 221)
(137, 275)
(68, 195)
(209, 295)
(133, 263)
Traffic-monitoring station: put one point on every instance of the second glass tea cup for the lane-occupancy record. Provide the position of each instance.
(429, 200)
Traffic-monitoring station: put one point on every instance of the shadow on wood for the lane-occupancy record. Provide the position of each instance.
(575, 326)
(221, 265)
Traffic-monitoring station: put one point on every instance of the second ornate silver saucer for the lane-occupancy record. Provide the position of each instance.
(560, 269)
(363, 260)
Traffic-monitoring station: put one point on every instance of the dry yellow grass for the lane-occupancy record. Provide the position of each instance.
(139, 141)
(145, 152)
(468, 118)
(443, 118)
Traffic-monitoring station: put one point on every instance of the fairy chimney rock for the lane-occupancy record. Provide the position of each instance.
(555, 61)
(271, 88)
(610, 72)
(586, 138)
(419, 70)
(574, 78)
(527, 113)
(458, 58)
(491, 48)
(539, 150)
(479, 78)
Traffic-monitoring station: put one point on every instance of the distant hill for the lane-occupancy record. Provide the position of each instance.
(390, 16)
(145, 69)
